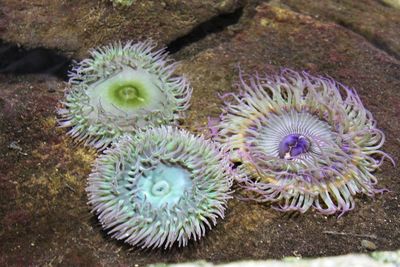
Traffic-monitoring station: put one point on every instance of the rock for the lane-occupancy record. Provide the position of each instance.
(75, 26)
(393, 3)
(377, 21)
(354, 260)
(368, 244)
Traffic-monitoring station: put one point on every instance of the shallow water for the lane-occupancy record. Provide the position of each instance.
(44, 216)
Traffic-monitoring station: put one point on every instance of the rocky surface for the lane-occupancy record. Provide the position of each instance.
(383, 259)
(75, 26)
(44, 218)
(377, 21)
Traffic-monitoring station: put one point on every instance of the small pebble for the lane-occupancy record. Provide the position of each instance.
(368, 245)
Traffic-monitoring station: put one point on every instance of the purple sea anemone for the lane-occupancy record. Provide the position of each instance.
(160, 187)
(120, 89)
(302, 142)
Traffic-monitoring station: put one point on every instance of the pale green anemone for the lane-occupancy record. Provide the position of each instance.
(123, 2)
(160, 187)
(120, 89)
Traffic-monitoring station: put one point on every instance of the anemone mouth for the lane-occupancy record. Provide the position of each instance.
(120, 89)
(127, 95)
(160, 187)
(303, 142)
(164, 185)
(293, 145)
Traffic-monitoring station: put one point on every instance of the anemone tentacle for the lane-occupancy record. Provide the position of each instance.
(120, 89)
(303, 141)
(160, 187)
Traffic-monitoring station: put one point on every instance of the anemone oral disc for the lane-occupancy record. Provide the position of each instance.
(164, 185)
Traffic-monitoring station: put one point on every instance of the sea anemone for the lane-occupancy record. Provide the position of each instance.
(123, 2)
(120, 89)
(159, 187)
(301, 141)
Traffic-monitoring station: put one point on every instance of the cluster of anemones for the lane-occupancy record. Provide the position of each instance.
(302, 142)
(156, 185)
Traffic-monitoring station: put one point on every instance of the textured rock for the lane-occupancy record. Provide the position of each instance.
(392, 3)
(75, 26)
(377, 21)
(390, 259)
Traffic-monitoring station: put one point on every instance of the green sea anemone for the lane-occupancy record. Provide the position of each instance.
(120, 89)
(302, 142)
(160, 187)
(123, 2)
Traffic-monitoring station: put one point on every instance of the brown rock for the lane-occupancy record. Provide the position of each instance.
(368, 244)
(75, 26)
(377, 21)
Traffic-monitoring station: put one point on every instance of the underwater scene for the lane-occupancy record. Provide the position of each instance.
(199, 133)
